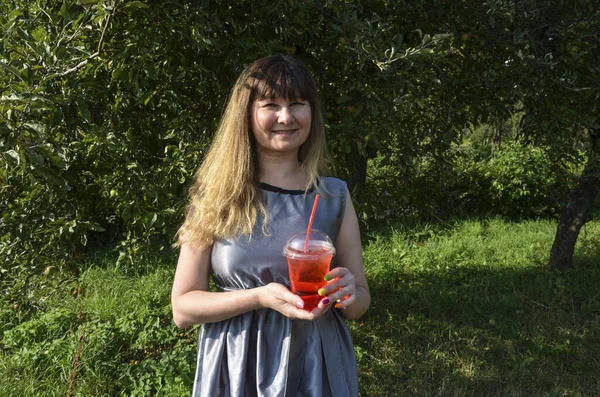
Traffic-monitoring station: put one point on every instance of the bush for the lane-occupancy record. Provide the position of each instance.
(525, 182)
(516, 181)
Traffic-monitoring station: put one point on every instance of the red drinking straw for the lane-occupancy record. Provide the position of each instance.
(310, 222)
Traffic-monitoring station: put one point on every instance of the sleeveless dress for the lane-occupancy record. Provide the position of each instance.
(262, 352)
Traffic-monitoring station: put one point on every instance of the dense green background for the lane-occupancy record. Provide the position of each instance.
(108, 106)
(435, 111)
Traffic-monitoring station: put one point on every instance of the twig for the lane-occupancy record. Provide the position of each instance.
(100, 43)
(79, 65)
(539, 304)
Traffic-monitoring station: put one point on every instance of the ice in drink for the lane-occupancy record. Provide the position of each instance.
(307, 268)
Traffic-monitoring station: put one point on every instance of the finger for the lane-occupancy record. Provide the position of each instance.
(344, 277)
(344, 303)
(325, 302)
(293, 300)
(336, 273)
(292, 311)
(321, 308)
(302, 314)
(341, 293)
(297, 302)
(336, 285)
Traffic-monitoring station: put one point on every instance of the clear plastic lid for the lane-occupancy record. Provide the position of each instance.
(319, 244)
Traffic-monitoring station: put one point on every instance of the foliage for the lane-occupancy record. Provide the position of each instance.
(85, 152)
(120, 326)
(515, 181)
(526, 182)
(107, 106)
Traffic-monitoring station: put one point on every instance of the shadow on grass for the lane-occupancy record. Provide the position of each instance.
(465, 331)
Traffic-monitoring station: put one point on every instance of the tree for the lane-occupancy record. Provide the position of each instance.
(561, 51)
(107, 105)
(541, 58)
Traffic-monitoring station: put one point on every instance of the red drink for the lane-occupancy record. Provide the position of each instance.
(308, 268)
(307, 274)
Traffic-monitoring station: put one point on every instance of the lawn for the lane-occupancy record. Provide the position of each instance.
(462, 309)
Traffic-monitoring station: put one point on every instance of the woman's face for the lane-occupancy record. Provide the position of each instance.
(280, 125)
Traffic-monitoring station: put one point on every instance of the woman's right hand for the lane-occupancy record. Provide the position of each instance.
(277, 297)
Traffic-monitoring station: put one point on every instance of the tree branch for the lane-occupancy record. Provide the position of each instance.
(100, 43)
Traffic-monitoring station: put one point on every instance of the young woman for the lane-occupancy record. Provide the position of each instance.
(254, 190)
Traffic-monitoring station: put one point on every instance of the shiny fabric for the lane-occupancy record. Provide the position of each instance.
(263, 353)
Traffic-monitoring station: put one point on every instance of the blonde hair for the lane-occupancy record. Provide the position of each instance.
(225, 199)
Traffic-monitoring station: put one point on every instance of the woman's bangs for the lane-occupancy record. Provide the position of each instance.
(281, 81)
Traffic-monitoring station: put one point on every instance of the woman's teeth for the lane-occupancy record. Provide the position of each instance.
(285, 132)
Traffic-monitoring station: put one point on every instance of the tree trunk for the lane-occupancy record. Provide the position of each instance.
(357, 171)
(497, 139)
(577, 212)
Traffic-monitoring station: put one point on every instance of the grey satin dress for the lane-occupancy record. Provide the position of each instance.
(262, 352)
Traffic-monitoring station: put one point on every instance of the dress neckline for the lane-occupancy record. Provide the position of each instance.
(276, 189)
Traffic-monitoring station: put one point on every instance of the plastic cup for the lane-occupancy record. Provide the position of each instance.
(308, 268)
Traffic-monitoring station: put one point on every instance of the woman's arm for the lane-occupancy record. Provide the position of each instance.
(193, 304)
(350, 278)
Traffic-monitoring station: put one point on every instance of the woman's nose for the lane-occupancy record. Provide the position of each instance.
(285, 116)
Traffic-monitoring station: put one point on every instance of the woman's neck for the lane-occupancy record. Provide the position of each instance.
(284, 172)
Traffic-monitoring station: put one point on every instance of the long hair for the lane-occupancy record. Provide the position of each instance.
(225, 199)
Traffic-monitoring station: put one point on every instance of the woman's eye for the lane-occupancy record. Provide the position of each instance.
(269, 105)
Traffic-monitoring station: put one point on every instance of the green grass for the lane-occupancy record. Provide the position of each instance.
(467, 309)
(121, 324)
(472, 310)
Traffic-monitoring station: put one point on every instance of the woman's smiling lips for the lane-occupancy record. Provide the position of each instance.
(284, 132)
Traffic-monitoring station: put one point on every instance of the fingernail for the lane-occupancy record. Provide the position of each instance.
(321, 291)
(338, 306)
(327, 277)
(300, 304)
(325, 301)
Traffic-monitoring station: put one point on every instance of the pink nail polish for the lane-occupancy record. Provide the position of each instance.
(325, 301)
(300, 304)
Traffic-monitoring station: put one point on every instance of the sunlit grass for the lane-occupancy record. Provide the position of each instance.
(471, 309)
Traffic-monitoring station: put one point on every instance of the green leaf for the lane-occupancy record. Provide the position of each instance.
(11, 69)
(136, 4)
(12, 157)
(83, 109)
(24, 35)
(35, 157)
(14, 14)
(37, 127)
(94, 226)
(64, 12)
(48, 152)
(52, 177)
(149, 221)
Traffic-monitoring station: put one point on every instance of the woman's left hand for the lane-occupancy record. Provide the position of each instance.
(341, 290)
